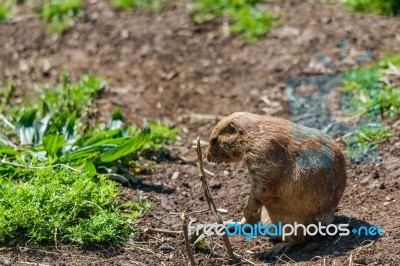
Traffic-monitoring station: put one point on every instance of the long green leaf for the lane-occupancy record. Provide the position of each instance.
(102, 136)
(81, 155)
(25, 127)
(69, 129)
(54, 138)
(128, 147)
(53, 144)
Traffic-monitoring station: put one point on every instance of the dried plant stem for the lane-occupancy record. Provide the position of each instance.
(189, 249)
(210, 201)
(162, 231)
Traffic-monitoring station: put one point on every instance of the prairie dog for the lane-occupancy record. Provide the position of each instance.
(297, 173)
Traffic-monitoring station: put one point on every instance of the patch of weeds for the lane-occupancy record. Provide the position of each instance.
(74, 96)
(5, 96)
(388, 60)
(382, 7)
(373, 135)
(247, 20)
(5, 13)
(154, 5)
(55, 176)
(69, 205)
(374, 92)
(61, 14)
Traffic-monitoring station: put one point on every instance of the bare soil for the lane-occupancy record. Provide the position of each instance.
(161, 67)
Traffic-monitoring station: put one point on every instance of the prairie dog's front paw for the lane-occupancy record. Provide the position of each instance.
(252, 217)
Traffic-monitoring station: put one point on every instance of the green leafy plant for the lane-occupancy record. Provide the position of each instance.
(382, 7)
(247, 21)
(55, 139)
(61, 14)
(154, 5)
(68, 96)
(56, 203)
(5, 13)
(55, 177)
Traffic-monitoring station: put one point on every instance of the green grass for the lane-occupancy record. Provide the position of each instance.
(154, 5)
(246, 19)
(373, 136)
(382, 7)
(61, 14)
(67, 205)
(374, 92)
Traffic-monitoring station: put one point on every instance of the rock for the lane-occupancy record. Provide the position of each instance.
(386, 203)
(166, 248)
(388, 198)
(364, 181)
(175, 175)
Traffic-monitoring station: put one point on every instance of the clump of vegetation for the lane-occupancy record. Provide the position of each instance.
(382, 7)
(247, 20)
(56, 203)
(5, 13)
(374, 92)
(56, 166)
(61, 14)
(154, 5)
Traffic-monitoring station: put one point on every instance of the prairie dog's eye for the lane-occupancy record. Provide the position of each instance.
(231, 129)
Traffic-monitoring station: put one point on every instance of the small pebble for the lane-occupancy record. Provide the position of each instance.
(386, 203)
(166, 248)
(364, 181)
(388, 198)
(175, 175)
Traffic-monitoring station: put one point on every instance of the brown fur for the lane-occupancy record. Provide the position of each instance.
(271, 148)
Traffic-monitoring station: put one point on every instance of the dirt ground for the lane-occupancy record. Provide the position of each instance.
(161, 67)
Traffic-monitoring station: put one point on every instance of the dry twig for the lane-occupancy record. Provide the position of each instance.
(189, 249)
(162, 231)
(210, 201)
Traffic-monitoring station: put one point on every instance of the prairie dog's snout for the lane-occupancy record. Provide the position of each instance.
(271, 149)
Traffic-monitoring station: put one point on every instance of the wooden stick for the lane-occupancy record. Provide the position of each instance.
(210, 201)
(162, 231)
(187, 241)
